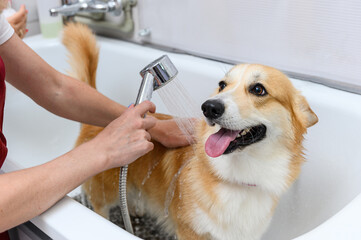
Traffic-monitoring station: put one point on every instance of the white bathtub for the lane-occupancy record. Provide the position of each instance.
(324, 203)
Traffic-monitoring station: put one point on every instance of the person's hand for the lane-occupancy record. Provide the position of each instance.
(18, 21)
(169, 135)
(126, 138)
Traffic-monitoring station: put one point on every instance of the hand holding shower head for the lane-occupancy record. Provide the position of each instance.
(155, 75)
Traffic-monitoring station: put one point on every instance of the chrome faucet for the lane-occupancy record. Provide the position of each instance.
(90, 6)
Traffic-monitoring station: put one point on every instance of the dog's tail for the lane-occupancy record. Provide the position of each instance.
(84, 52)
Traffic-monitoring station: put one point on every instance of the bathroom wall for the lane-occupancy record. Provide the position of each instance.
(315, 40)
(318, 40)
(33, 21)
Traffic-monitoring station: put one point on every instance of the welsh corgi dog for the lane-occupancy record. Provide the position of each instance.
(226, 185)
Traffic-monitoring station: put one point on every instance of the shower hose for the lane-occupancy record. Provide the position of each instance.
(123, 199)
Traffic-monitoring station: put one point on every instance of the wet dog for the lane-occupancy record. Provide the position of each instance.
(227, 185)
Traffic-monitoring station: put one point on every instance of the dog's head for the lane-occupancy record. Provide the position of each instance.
(255, 115)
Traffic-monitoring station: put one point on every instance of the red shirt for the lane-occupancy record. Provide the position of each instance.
(3, 148)
(4, 236)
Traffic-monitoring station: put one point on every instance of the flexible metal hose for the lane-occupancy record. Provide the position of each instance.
(123, 199)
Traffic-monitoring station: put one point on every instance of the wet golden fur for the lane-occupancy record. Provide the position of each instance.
(202, 193)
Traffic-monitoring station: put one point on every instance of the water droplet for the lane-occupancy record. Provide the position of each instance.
(171, 189)
(150, 171)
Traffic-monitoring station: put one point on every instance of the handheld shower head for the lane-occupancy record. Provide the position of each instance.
(162, 69)
(155, 75)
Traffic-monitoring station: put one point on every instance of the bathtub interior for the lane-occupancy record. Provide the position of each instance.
(329, 179)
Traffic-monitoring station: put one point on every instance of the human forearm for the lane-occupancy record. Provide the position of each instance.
(67, 97)
(54, 91)
(79, 102)
(29, 192)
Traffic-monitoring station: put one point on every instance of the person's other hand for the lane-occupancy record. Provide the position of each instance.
(169, 135)
(18, 21)
(126, 138)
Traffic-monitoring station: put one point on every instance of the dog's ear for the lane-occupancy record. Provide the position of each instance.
(303, 111)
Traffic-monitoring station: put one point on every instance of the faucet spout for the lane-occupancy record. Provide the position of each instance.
(69, 10)
(91, 6)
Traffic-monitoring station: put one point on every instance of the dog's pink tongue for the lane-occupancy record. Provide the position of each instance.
(218, 142)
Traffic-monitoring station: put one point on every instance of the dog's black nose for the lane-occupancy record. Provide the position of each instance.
(213, 109)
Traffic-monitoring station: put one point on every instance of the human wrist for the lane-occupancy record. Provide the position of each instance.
(155, 132)
(94, 159)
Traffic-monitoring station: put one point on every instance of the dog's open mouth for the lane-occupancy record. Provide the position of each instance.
(226, 141)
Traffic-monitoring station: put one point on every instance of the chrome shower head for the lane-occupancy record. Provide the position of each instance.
(155, 75)
(162, 69)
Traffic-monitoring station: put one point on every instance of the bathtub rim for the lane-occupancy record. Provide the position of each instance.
(55, 223)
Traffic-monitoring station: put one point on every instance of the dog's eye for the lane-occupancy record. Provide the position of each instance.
(258, 90)
(222, 85)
